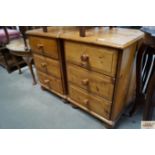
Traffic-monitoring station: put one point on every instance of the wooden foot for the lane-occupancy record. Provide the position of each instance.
(108, 126)
(74, 106)
(65, 100)
(43, 88)
(20, 72)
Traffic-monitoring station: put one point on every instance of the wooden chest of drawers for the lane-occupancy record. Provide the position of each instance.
(48, 62)
(96, 77)
(94, 73)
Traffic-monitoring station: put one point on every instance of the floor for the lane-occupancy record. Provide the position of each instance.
(24, 106)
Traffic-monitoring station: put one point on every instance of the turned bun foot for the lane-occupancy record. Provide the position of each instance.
(74, 106)
(43, 88)
(65, 100)
(108, 126)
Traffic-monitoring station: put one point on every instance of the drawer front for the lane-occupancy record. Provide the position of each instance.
(91, 81)
(91, 103)
(44, 46)
(47, 65)
(50, 82)
(40, 63)
(97, 58)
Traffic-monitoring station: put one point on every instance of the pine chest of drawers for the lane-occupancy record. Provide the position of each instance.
(91, 73)
(48, 62)
(94, 73)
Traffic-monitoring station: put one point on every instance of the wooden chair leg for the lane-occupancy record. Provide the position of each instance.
(16, 63)
(32, 72)
(6, 62)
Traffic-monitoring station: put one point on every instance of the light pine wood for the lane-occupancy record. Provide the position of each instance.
(52, 31)
(48, 60)
(124, 70)
(47, 65)
(96, 83)
(89, 101)
(105, 120)
(132, 86)
(45, 46)
(97, 71)
(50, 82)
(40, 63)
(96, 58)
(119, 38)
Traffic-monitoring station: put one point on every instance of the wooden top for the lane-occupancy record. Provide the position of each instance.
(53, 31)
(115, 37)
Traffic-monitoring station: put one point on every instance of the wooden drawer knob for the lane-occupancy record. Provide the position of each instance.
(46, 81)
(85, 82)
(40, 46)
(86, 102)
(43, 64)
(84, 59)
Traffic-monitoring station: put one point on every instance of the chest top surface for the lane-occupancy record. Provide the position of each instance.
(104, 36)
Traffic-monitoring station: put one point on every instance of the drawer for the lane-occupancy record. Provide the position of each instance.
(92, 57)
(44, 46)
(99, 84)
(47, 65)
(50, 82)
(91, 103)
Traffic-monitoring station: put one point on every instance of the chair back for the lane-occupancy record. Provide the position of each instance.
(145, 67)
(21, 29)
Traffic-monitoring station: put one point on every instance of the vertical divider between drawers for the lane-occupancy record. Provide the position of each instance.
(61, 53)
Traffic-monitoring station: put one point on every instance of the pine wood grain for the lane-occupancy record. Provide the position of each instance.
(96, 83)
(100, 59)
(47, 65)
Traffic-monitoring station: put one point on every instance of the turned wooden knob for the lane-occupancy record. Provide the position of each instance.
(43, 64)
(85, 59)
(86, 101)
(40, 46)
(85, 82)
(46, 81)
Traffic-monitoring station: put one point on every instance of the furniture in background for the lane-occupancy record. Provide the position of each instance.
(17, 48)
(5, 57)
(20, 48)
(94, 73)
(8, 34)
(145, 71)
